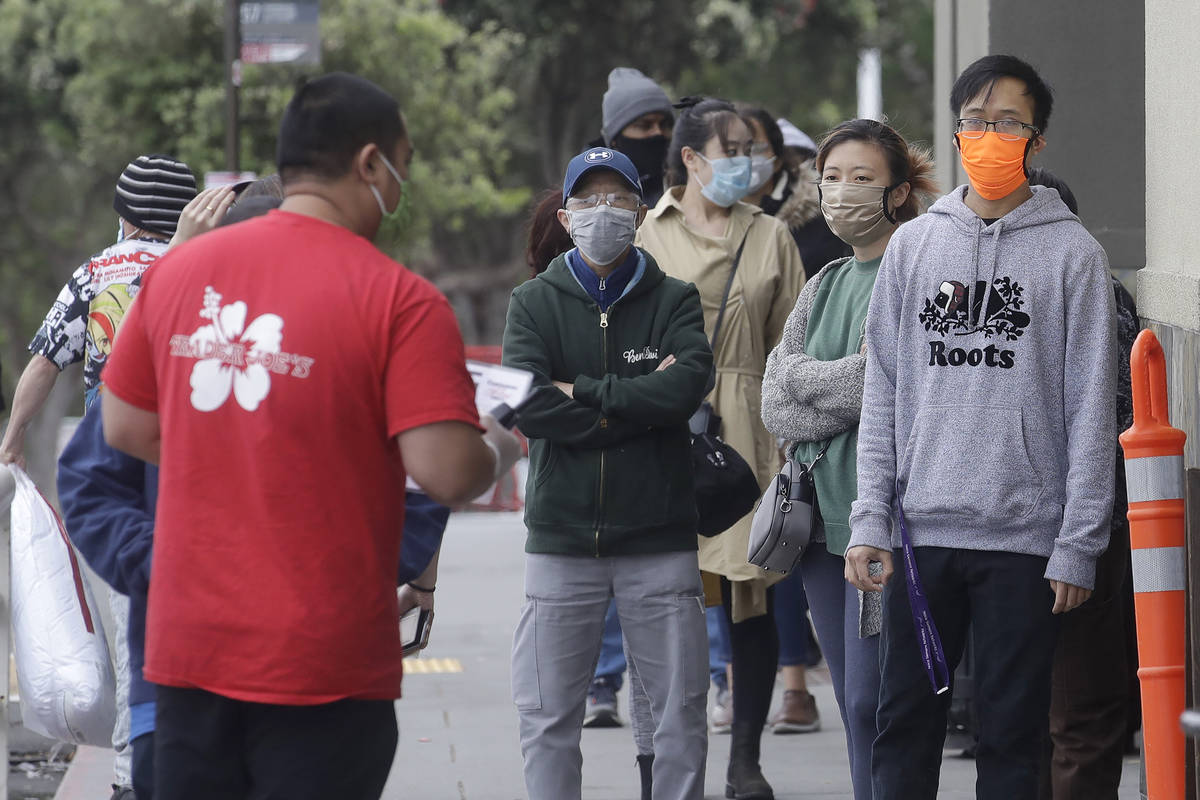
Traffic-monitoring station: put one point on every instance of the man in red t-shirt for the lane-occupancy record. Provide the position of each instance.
(286, 376)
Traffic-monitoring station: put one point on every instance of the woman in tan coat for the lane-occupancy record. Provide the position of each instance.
(694, 233)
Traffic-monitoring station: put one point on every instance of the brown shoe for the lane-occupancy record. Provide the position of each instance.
(798, 714)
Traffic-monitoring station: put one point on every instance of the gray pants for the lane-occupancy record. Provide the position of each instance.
(119, 644)
(640, 716)
(557, 644)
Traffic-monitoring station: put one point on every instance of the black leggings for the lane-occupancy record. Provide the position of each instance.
(754, 644)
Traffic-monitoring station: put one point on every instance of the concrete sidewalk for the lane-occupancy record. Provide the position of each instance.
(458, 727)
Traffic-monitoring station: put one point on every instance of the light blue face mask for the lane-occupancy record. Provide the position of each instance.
(730, 179)
(120, 232)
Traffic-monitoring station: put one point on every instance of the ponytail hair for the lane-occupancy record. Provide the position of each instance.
(907, 163)
(547, 238)
(700, 119)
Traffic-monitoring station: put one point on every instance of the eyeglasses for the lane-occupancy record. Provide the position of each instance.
(1009, 130)
(625, 200)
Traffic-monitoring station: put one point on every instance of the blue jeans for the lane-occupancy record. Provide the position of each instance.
(791, 620)
(1007, 602)
(853, 662)
(611, 665)
(719, 650)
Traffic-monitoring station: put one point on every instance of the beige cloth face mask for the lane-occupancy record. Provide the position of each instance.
(856, 213)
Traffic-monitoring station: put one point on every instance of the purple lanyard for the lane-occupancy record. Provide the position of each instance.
(931, 644)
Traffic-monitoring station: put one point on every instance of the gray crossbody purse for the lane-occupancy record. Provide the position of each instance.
(783, 523)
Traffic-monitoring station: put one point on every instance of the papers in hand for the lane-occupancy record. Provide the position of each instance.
(496, 385)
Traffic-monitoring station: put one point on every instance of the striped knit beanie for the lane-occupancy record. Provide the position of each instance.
(152, 192)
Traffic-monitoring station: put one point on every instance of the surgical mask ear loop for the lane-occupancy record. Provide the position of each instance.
(1025, 158)
(887, 193)
(379, 198)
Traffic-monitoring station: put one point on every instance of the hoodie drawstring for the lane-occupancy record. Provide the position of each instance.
(997, 227)
(972, 315)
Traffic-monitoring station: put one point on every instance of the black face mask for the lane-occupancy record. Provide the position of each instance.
(649, 157)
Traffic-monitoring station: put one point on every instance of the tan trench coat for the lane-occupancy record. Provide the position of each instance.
(769, 279)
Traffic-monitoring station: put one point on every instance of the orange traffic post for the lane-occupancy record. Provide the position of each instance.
(1154, 477)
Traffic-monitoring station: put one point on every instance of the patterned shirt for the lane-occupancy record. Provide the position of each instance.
(84, 319)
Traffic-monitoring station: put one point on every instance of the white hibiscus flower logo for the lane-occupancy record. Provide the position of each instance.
(233, 355)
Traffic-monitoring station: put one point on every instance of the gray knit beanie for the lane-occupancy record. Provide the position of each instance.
(630, 95)
(152, 192)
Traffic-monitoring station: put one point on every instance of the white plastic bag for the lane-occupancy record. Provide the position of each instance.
(66, 680)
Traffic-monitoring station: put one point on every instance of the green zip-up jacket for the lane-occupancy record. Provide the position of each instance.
(610, 469)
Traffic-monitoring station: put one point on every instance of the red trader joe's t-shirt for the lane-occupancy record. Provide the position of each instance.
(283, 355)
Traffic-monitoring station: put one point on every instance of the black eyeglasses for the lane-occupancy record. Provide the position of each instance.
(1010, 130)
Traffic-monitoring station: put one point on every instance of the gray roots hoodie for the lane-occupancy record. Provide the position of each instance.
(989, 389)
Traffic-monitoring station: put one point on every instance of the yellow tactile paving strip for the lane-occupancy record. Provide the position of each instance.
(415, 666)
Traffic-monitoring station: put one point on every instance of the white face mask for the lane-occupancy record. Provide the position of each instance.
(761, 170)
(602, 233)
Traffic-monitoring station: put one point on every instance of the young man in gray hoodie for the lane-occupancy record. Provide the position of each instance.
(988, 436)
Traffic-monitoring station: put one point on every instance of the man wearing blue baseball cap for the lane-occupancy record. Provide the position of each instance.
(620, 362)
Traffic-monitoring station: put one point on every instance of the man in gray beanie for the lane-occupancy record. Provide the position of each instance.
(637, 120)
(149, 197)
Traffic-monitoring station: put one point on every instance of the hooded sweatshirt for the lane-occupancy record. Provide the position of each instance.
(108, 501)
(988, 403)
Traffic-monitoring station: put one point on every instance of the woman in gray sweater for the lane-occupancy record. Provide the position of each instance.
(812, 395)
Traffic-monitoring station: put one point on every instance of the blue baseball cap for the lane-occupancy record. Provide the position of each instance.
(600, 158)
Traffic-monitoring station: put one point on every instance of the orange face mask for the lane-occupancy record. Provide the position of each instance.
(995, 166)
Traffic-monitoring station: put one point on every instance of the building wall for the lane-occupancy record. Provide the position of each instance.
(1169, 286)
(960, 37)
(1095, 65)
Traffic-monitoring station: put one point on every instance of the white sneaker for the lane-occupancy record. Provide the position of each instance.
(720, 716)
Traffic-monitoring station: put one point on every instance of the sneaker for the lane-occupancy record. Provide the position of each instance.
(121, 792)
(720, 718)
(798, 714)
(601, 709)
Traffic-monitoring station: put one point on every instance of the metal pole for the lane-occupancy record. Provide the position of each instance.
(870, 84)
(233, 79)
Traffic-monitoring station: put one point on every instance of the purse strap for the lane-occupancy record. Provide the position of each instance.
(820, 454)
(737, 259)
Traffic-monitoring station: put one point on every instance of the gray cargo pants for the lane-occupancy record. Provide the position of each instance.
(557, 644)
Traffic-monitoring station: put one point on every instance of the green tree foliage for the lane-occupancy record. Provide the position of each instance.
(85, 87)
(798, 58)
(498, 95)
(803, 66)
(448, 81)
